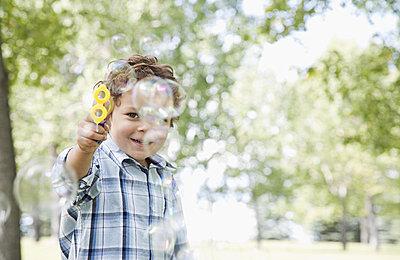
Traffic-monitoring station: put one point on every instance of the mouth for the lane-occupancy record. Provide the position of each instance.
(139, 142)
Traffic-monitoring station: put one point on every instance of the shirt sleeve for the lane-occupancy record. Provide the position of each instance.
(80, 191)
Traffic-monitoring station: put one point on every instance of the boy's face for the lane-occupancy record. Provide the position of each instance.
(129, 131)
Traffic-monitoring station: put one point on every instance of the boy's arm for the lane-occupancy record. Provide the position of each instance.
(79, 161)
(80, 157)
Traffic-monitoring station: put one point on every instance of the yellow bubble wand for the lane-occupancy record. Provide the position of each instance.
(99, 112)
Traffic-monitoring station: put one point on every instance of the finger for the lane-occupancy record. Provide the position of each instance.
(102, 129)
(87, 143)
(107, 127)
(87, 131)
(89, 119)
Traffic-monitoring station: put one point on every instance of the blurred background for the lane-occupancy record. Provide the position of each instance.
(288, 147)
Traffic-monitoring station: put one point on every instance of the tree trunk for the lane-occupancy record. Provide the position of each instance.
(56, 209)
(344, 224)
(10, 237)
(364, 230)
(372, 223)
(258, 221)
(37, 225)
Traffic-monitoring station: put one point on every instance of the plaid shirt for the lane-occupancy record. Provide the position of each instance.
(116, 204)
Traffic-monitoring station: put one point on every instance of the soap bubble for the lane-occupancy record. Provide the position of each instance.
(5, 208)
(185, 254)
(65, 185)
(180, 97)
(167, 182)
(121, 43)
(150, 45)
(156, 135)
(117, 70)
(115, 67)
(70, 65)
(153, 99)
(162, 237)
(153, 92)
(34, 185)
(33, 189)
(158, 98)
(157, 102)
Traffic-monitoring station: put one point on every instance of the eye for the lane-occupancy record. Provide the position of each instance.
(133, 115)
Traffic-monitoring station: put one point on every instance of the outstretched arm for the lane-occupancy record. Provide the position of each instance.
(80, 157)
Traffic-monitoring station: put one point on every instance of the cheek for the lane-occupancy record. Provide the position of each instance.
(123, 127)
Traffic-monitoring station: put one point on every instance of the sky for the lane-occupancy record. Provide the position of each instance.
(229, 220)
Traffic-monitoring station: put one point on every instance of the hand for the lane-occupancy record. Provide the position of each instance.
(88, 139)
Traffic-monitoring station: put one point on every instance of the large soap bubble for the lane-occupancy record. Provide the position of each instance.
(38, 189)
(153, 101)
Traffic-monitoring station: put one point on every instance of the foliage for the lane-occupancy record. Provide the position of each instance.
(332, 135)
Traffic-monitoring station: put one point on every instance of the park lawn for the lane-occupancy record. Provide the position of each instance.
(47, 248)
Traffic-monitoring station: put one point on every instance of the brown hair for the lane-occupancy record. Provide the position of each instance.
(143, 67)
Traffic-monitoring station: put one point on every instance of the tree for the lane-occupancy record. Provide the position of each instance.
(261, 143)
(32, 37)
(188, 32)
(283, 17)
(33, 54)
(7, 168)
(343, 96)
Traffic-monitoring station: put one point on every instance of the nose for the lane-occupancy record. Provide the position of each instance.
(144, 125)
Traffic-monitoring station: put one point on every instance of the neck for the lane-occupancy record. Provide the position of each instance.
(144, 163)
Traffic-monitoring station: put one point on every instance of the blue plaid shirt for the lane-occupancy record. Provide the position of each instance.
(116, 204)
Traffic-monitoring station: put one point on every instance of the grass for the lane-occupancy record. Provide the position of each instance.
(47, 248)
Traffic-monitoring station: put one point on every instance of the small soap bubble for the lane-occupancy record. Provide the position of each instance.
(185, 254)
(70, 64)
(121, 43)
(115, 67)
(150, 45)
(162, 237)
(180, 99)
(155, 137)
(5, 208)
(167, 182)
(117, 71)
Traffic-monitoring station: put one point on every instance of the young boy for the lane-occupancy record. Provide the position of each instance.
(121, 195)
